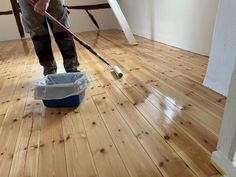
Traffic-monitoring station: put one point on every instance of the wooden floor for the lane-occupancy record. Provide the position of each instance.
(158, 121)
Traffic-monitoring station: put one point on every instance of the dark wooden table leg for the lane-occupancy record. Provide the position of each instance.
(16, 12)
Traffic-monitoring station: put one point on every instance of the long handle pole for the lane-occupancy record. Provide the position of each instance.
(84, 44)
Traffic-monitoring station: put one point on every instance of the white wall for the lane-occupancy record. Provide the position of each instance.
(223, 52)
(8, 28)
(79, 19)
(186, 24)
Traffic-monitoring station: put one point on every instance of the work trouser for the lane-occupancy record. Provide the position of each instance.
(37, 26)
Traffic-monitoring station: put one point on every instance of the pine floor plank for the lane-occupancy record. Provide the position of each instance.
(194, 98)
(161, 73)
(19, 158)
(1, 119)
(45, 162)
(136, 102)
(217, 175)
(159, 120)
(159, 60)
(78, 155)
(177, 54)
(167, 160)
(198, 113)
(203, 103)
(13, 137)
(59, 160)
(181, 100)
(199, 60)
(31, 161)
(103, 149)
(196, 129)
(183, 145)
(171, 53)
(52, 160)
(173, 64)
(139, 100)
(9, 134)
(25, 160)
(9, 84)
(184, 103)
(136, 160)
(215, 98)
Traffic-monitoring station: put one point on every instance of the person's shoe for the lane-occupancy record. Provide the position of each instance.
(49, 67)
(49, 70)
(74, 70)
(71, 65)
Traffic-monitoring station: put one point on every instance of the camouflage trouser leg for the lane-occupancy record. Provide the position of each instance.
(37, 26)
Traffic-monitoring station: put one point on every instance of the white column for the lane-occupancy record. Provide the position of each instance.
(122, 21)
(224, 156)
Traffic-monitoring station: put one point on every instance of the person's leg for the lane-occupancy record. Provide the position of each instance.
(64, 41)
(68, 51)
(42, 45)
(36, 25)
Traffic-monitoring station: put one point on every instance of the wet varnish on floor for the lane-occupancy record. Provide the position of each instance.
(158, 121)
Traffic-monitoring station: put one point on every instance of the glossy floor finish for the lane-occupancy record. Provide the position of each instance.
(158, 121)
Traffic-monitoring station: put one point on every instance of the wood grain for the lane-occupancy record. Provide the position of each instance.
(157, 121)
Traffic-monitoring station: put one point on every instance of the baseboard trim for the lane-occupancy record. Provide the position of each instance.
(222, 164)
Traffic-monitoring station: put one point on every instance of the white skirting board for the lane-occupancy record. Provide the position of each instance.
(224, 164)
